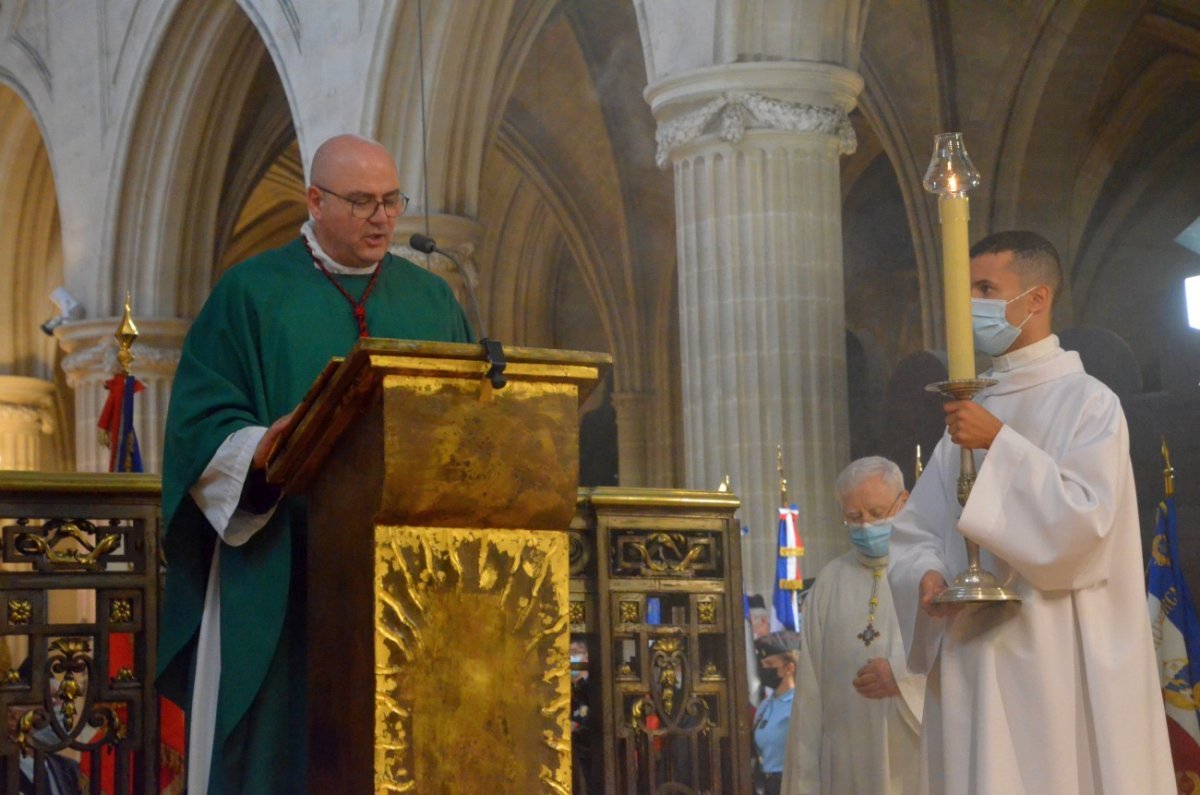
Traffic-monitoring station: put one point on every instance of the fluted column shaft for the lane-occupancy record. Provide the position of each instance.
(27, 420)
(755, 151)
(91, 359)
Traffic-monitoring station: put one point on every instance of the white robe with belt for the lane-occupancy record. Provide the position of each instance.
(838, 740)
(1058, 694)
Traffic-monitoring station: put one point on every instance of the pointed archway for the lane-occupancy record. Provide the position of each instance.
(32, 433)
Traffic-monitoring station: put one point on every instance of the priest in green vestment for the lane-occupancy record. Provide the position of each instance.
(232, 648)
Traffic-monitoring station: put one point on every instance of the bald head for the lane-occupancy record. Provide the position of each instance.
(350, 175)
(348, 152)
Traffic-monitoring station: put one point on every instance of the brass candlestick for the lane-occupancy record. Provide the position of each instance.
(975, 584)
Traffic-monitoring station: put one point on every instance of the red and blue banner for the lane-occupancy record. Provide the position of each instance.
(124, 455)
(116, 419)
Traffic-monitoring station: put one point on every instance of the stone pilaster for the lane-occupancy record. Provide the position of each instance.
(755, 151)
(91, 359)
(633, 422)
(27, 415)
(458, 235)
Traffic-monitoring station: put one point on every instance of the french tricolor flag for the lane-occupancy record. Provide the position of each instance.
(789, 580)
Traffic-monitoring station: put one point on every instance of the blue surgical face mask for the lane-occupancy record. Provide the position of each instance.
(993, 333)
(872, 539)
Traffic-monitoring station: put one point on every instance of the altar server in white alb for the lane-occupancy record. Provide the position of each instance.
(1059, 693)
(856, 717)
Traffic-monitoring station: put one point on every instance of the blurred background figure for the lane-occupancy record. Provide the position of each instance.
(581, 751)
(777, 654)
(861, 708)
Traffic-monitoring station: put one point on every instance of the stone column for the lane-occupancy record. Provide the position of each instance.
(633, 421)
(91, 359)
(458, 235)
(755, 150)
(27, 415)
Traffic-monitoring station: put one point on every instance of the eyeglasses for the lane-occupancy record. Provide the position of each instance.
(367, 206)
(873, 514)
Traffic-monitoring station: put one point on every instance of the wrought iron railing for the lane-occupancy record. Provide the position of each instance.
(656, 620)
(79, 568)
(656, 601)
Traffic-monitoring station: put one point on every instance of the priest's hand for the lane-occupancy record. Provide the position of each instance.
(932, 584)
(971, 425)
(875, 680)
(267, 444)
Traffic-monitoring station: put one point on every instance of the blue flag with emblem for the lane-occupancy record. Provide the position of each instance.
(1176, 631)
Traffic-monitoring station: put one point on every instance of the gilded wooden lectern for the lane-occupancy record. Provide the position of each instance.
(438, 623)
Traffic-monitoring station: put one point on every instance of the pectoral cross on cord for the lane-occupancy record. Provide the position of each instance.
(870, 633)
(360, 306)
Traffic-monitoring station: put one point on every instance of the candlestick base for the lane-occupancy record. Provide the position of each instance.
(975, 585)
(961, 388)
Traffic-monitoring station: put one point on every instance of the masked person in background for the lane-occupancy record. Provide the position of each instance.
(777, 653)
(856, 718)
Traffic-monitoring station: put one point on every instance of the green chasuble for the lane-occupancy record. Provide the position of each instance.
(270, 326)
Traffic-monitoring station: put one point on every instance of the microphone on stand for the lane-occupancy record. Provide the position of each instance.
(491, 348)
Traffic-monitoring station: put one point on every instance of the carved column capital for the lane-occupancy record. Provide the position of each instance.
(91, 359)
(26, 403)
(725, 102)
(91, 350)
(27, 419)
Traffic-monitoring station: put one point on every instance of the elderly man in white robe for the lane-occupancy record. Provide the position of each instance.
(1059, 693)
(856, 716)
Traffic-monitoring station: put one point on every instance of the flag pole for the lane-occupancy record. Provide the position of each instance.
(782, 480)
(1168, 470)
(125, 335)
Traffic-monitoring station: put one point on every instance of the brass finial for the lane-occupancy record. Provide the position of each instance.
(1168, 470)
(126, 334)
(725, 486)
(782, 480)
(918, 467)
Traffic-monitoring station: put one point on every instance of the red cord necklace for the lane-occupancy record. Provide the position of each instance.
(359, 306)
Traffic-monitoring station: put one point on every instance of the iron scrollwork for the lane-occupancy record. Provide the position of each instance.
(59, 722)
(64, 545)
(666, 554)
(670, 680)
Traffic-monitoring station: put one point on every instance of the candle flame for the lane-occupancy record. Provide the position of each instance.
(952, 183)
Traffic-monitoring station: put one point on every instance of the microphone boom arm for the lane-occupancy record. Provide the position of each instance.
(491, 348)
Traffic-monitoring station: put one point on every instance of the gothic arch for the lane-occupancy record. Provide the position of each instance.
(31, 263)
(584, 248)
(30, 241)
(462, 53)
(526, 240)
(211, 120)
(1053, 96)
(1155, 88)
(903, 154)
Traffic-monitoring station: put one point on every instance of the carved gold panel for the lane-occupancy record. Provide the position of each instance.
(472, 661)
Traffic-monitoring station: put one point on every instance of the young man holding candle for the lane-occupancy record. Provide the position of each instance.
(1058, 693)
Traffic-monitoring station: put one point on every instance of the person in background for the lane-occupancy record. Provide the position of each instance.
(856, 724)
(777, 654)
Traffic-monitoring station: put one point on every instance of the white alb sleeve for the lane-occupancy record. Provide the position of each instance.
(218, 490)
